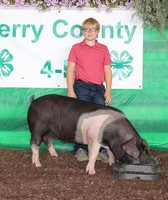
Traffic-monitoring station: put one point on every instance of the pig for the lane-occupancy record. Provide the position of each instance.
(72, 120)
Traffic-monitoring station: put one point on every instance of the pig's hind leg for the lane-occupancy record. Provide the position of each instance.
(37, 136)
(48, 140)
(35, 155)
(35, 142)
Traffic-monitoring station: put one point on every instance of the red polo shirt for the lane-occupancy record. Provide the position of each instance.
(90, 61)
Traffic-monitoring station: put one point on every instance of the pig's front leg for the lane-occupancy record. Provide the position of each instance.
(35, 155)
(111, 157)
(94, 148)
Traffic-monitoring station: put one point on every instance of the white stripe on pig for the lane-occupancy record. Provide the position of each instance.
(92, 124)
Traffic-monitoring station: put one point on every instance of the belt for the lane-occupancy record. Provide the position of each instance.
(88, 82)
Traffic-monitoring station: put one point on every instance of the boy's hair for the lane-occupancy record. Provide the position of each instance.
(91, 22)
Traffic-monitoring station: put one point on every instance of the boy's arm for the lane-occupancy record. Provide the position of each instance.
(70, 79)
(108, 80)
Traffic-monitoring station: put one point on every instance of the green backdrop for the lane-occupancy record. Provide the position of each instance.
(146, 108)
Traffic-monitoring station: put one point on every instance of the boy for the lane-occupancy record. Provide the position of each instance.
(88, 68)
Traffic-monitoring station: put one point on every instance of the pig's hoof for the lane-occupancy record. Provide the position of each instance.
(52, 151)
(90, 171)
(111, 162)
(54, 154)
(37, 164)
(111, 158)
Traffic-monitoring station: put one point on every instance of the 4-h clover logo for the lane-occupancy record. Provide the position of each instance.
(121, 64)
(5, 67)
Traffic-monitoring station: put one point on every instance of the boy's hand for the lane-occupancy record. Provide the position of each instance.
(72, 94)
(108, 97)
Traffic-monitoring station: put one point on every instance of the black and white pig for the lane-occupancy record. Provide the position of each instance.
(72, 120)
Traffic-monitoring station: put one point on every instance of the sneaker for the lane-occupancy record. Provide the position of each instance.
(103, 156)
(81, 154)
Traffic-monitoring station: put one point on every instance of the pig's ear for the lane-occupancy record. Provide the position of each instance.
(146, 146)
(131, 149)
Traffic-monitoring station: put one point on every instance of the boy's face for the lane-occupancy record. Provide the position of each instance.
(90, 32)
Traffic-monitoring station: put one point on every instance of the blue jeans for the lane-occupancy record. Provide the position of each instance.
(88, 92)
